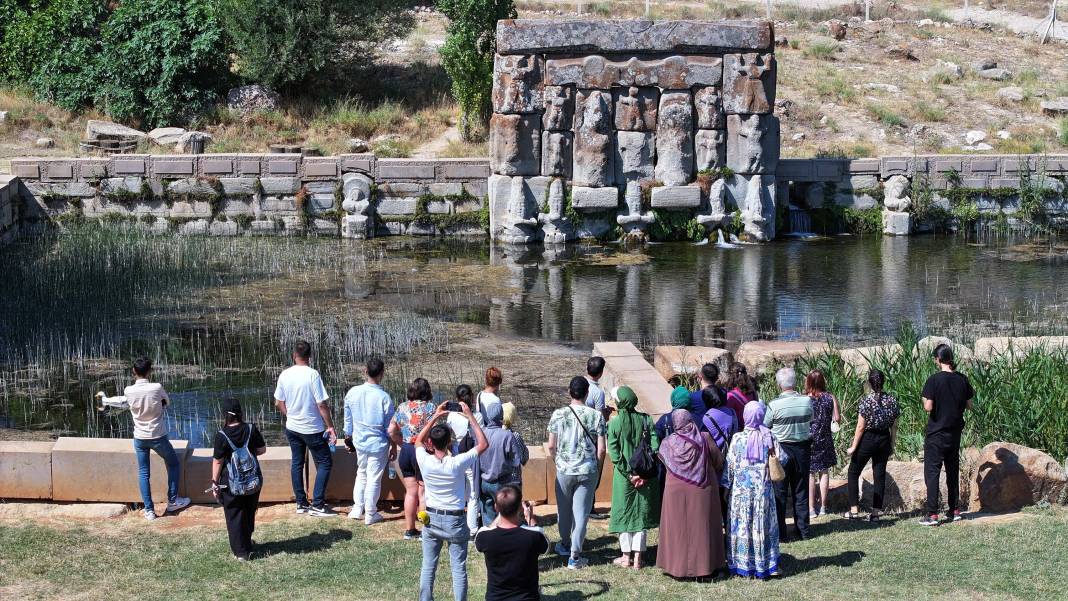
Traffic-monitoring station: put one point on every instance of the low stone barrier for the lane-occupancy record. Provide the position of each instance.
(9, 227)
(625, 364)
(761, 355)
(25, 470)
(105, 469)
(275, 463)
(674, 361)
(989, 348)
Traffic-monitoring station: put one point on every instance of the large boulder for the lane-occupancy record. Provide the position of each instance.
(185, 141)
(925, 348)
(96, 129)
(760, 356)
(166, 136)
(252, 98)
(1011, 476)
(905, 491)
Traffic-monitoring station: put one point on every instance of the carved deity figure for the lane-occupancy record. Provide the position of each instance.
(518, 228)
(629, 111)
(556, 227)
(752, 133)
(752, 67)
(518, 79)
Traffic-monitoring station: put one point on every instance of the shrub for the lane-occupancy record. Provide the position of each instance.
(885, 115)
(284, 43)
(468, 55)
(1063, 137)
(821, 49)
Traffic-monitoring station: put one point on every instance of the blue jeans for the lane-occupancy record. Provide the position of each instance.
(162, 447)
(443, 529)
(574, 501)
(487, 498)
(320, 452)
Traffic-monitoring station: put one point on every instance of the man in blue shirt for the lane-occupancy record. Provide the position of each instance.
(709, 376)
(368, 411)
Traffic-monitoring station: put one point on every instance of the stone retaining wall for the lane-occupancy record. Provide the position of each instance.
(9, 226)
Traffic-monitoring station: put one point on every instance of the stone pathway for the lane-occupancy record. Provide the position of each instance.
(431, 149)
(1009, 20)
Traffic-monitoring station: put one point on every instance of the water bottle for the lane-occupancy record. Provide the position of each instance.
(332, 445)
(392, 472)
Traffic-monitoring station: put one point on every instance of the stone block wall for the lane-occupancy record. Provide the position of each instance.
(9, 218)
(602, 124)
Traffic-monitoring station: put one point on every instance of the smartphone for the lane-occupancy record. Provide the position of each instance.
(453, 406)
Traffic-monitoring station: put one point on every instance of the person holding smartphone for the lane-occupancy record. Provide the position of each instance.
(511, 547)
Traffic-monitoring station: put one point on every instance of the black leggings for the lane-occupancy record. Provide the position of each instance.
(875, 445)
(240, 512)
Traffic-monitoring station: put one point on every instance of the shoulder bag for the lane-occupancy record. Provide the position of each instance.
(776, 473)
(642, 461)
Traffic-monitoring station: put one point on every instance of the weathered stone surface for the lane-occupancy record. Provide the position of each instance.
(517, 84)
(636, 108)
(106, 130)
(251, 98)
(197, 227)
(674, 139)
(1011, 476)
(396, 206)
(895, 193)
(858, 360)
(709, 104)
(1019, 346)
(191, 187)
(223, 228)
(764, 356)
(673, 361)
(526, 36)
(752, 143)
(404, 169)
(674, 72)
(519, 221)
(996, 74)
(166, 136)
(100, 469)
(275, 465)
(593, 139)
(402, 189)
(711, 148)
(1058, 107)
(758, 208)
(25, 470)
(280, 185)
(556, 228)
(748, 83)
(906, 489)
(675, 197)
(515, 144)
(594, 199)
(556, 155)
(896, 224)
(559, 104)
(635, 151)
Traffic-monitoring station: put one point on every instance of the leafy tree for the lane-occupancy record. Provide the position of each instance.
(285, 43)
(162, 60)
(468, 56)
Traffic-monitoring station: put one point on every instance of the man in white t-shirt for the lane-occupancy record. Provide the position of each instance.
(301, 398)
(445, 480)
(595, 398)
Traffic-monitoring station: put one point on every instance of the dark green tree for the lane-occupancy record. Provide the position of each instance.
(468, 57)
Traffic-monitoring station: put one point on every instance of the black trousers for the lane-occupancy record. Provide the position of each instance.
(942, 449)
(240, 512)
(795, 464)
(875, 446)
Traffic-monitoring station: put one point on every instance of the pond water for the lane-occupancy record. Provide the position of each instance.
(218, 314)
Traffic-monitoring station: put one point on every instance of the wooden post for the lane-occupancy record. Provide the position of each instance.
(1049, 25)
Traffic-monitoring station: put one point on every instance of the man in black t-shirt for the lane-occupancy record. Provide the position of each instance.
(946, 395)
(512, 546)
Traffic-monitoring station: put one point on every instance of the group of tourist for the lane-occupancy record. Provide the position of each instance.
(716, 474)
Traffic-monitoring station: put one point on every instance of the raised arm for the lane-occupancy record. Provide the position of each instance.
(420, 438)
(480, 437)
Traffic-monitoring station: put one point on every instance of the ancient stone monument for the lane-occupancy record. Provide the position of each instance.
(620, 120)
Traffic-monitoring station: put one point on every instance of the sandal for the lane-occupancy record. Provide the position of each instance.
(623, 562)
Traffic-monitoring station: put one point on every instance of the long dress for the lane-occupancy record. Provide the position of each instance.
(633, 509)
(754, 535)
(691, 538)
(822, 455)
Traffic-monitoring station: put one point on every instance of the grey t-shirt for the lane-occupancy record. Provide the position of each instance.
(595, 397)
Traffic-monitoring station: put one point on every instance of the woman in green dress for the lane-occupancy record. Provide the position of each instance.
(635, 501)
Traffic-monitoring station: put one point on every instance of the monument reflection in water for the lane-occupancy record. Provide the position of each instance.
(685, 294)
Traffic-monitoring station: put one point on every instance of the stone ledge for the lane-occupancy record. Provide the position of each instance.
(25, 469)
(673, 361)
(105, 469)
(530, 36)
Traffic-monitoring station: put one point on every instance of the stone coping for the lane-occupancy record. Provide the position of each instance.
(632, 36)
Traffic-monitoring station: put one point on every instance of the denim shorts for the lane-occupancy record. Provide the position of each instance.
(409, 467)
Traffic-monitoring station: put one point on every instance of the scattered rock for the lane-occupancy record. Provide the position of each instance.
(984, 64)
(44, 143)
(946, 69)
(837, 29)
(3, 116)
(1004, 134)
(252, 98)
(902, 52)
(359, 145)
(885, 87)
(1011, 94)
(798, 136)
(996, 74)
(925, 23)
(185, 142)
(386, 138)
(975, 136)
(1010, 476)
(166, 136)
(781, 42)
(96, 129)
(981, 147)
(1055, 108)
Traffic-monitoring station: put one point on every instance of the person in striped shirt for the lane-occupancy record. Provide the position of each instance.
(789, 416)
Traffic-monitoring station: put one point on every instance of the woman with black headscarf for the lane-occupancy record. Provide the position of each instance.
(239, 506)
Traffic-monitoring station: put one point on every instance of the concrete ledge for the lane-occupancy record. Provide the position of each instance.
(672, 361)
(624, 364)
(25, 470)
(530, 36)
(105, 469)
(536, 482)
(274, 464)
(343, 478)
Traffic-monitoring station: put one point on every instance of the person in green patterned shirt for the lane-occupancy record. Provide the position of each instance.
(577, 445)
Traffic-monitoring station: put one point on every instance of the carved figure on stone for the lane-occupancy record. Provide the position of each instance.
(749, 83)
(357, 203)
(715, 216)
(518, 227)
(636, 109)
(759, 211)
(632, 219)
(709, 105)
(559, 108)
(556, 153)
(517, 84)
(711, 146)
(515, 144)
(555, 225)
(593, 140)
(674, 139)
(894, 196)
(752, 143)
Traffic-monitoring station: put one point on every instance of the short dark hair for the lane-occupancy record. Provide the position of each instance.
(578, 388)
(595, 366)
(440, 436)
(464, 394)
(508, 500)
(375, 367)
(712, 398)
(302, 349)
(142, 365)
(710, 373)
(419, 390)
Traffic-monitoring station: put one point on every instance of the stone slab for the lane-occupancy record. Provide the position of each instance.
(536, 481)
(528, 36)
(1019, 346)
(896, 223)
(282, 167)
(280, 186)
(128, 167)
(57, 171)
(760, 356)
(594, 199)
(673, 361)
(860, 360)
(174, 167)
(217, 167)
(478, 170)
(676, 197)
(862, 166)
(26, 170)
(615, 349)
(343, 478)
(105, 469)
(248, 167)
(320, 168)
(598, 72)
(401, 169)
(26, 469)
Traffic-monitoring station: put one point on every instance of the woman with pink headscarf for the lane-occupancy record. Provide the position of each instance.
(753, 547)
(691, 527)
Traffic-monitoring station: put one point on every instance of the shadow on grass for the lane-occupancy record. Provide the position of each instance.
(792, 566)
(574, 590)
(309, 543)
(844, 525)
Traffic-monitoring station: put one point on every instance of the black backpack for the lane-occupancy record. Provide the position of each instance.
(642, 461)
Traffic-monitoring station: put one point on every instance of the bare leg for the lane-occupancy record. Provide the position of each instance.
(411, 502)
(812, 494)
(825, 488)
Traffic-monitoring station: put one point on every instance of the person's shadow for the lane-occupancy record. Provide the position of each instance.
(308, 543)
(792, 566)
(573, 590)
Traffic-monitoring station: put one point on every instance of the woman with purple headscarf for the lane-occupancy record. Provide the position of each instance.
(754, 527)
(691, 535)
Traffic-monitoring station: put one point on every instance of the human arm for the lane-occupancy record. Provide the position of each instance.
(928, 404)
(615, 450)
(550, 445)
(769, 417)
(893, 438)
(394, 431)
(836, 415)
(856, 435)
(281, 406)
(521, 448)
(324, 411)
(216, 473)
(420, 439)
(480, 437)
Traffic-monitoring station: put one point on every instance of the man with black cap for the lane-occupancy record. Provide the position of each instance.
(240, 509)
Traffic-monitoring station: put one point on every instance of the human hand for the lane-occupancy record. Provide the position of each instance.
(332, 434)
(351, 448)
(850, 450)
(528, 512)
(392, 453)
(466, 410)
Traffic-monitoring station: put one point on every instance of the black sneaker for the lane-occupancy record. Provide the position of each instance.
(931, 520)
(303, 508)
(321, 512)
(955, 516)
(411, 534)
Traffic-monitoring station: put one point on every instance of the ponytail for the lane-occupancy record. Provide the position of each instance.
(943, 353)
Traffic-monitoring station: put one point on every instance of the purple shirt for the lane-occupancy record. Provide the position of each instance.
(725, 419)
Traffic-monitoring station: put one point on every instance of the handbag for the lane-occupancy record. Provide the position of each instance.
(642, 462)
(776, 473)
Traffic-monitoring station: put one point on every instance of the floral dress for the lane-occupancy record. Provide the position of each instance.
(823, 456)
(753, 549)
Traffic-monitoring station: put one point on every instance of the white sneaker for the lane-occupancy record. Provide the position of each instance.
(150, 514)
(373, 518)
(178, 504)
(356, 514)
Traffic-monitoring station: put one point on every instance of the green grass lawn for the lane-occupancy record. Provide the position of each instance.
(1025, 557)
